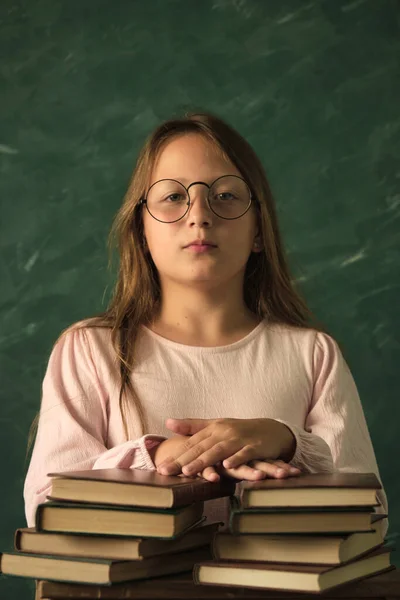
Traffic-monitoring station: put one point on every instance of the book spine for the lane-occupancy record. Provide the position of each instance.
(193, 492)
(232, 522)
(242, 499)
(17, 540)
(195, 574)
(214, 547)
(38, 517)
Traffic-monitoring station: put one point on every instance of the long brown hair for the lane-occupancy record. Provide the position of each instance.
(268, 289)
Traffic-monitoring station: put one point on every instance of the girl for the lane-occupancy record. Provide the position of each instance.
(205, 337)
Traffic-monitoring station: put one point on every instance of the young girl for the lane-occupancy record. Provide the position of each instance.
(206, 360)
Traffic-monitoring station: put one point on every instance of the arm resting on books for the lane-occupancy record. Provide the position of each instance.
(335, 436)
(73, 423)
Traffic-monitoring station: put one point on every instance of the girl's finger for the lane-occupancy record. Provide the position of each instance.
(210, 474)
(216, 451)
(241, 457)
(187, 426)
(187, 453)
(292, 470)
(276, 468)
(244, 472)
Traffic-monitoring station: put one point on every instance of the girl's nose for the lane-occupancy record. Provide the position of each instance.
(200, 213)
(199, 206)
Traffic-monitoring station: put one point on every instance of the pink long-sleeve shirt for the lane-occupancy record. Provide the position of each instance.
(296, 376)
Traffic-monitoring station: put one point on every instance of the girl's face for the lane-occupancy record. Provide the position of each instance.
(190, 158)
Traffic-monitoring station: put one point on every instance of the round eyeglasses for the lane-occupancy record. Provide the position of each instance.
(168, 200)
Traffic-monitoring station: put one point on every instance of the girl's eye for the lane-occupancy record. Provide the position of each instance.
(174, 197)
(225, 196)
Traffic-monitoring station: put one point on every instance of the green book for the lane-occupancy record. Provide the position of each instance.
(70, 517)
(302, 520)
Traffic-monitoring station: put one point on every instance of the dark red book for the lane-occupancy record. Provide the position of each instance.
(317, 489)
(135, 487)
(292, 577)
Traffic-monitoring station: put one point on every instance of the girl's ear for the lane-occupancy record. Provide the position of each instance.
(257, 246)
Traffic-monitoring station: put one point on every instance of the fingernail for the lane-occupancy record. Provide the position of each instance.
(294, 470)
(280, 471)
(164, 464)
(165, 470)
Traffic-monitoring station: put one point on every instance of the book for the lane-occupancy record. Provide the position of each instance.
(102, 519)
(316, 489)
(28, 540)
(291, 577)
(313, 549)
(98, 571)
(135, 487)
(302, 520)
(182, 586)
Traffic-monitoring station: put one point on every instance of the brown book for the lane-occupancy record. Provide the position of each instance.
(302, 520)
(28, 540)
(317, 489)
(98, 571)
(303, 549)
(181, 585)
(116, 520)
(290, 577)
(135, 487)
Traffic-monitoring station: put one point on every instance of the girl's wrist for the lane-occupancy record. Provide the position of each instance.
(155, 453)
(288, 443)
(163, 450)
(152, 453)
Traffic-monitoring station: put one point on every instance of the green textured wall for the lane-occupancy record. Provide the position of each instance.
(314, 86)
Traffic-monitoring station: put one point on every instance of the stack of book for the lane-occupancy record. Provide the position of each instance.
(303, 534)
(109, 526)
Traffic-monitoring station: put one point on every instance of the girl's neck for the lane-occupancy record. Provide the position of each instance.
(209, 332)
(203, 316)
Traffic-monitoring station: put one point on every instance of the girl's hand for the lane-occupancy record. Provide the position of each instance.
(253, 471)
(233, 441)
(176, 444)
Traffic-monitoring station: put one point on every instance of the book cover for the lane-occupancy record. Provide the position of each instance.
(316, 480)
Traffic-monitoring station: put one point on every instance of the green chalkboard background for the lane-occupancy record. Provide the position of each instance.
(314, 86)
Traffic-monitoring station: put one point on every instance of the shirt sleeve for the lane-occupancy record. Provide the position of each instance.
(335, 437)
(73, 423)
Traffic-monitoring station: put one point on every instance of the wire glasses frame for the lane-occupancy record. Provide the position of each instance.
(144, 201)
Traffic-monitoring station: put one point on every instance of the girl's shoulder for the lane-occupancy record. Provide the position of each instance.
(290, 333)
(87, 336)
(303, 339)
